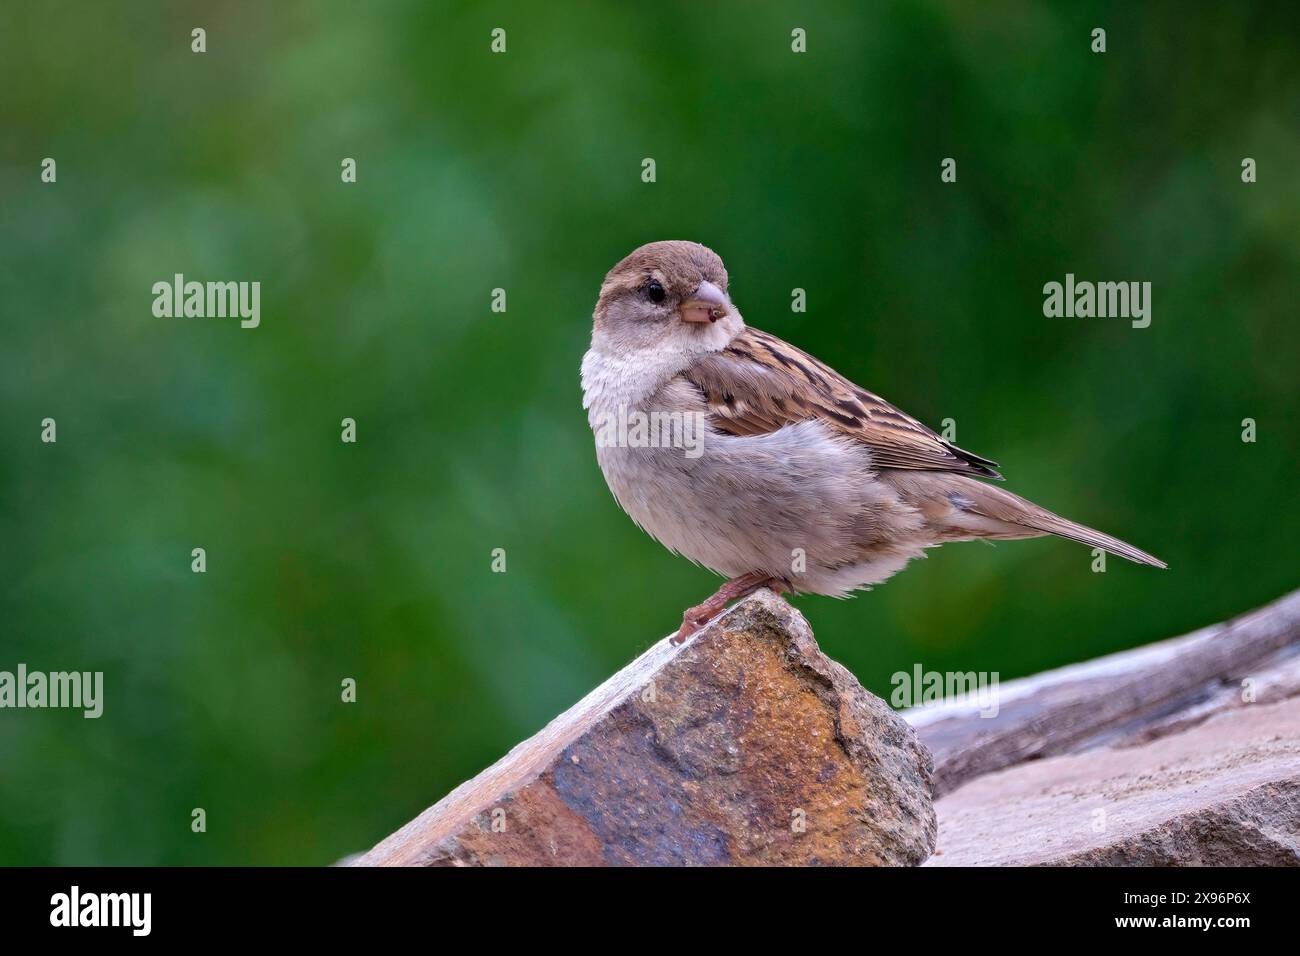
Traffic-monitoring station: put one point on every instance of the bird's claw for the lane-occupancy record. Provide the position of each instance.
(692, 621)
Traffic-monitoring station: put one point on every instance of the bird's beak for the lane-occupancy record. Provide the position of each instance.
(707, 304)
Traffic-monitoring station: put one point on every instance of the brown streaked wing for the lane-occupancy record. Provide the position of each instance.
(760, 383)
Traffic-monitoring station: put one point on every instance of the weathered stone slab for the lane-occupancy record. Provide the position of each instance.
(745, 745)
(1128, 696)
(1224, 792)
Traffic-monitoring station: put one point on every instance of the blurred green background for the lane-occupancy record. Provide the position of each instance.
(522, 171)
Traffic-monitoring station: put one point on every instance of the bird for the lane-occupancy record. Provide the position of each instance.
(800, 480)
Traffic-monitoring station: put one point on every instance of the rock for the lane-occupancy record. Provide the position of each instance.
(1274, 679)
(745, 745)
(1224, 792)
(1131, 696)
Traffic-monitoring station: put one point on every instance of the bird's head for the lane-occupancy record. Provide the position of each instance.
(670, 294)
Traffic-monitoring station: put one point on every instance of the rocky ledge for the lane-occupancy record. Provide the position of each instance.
(748, 746)
(745, 745)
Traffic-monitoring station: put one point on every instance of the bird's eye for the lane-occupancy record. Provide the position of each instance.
(655, 291)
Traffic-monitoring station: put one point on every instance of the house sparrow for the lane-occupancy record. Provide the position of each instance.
(801, 481)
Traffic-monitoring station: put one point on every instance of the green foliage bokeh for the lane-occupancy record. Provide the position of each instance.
(522, 171)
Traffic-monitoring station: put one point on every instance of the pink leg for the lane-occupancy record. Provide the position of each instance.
(696, 617)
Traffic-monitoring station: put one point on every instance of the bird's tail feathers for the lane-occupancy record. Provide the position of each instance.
(1003, 506)
(1097, 539)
